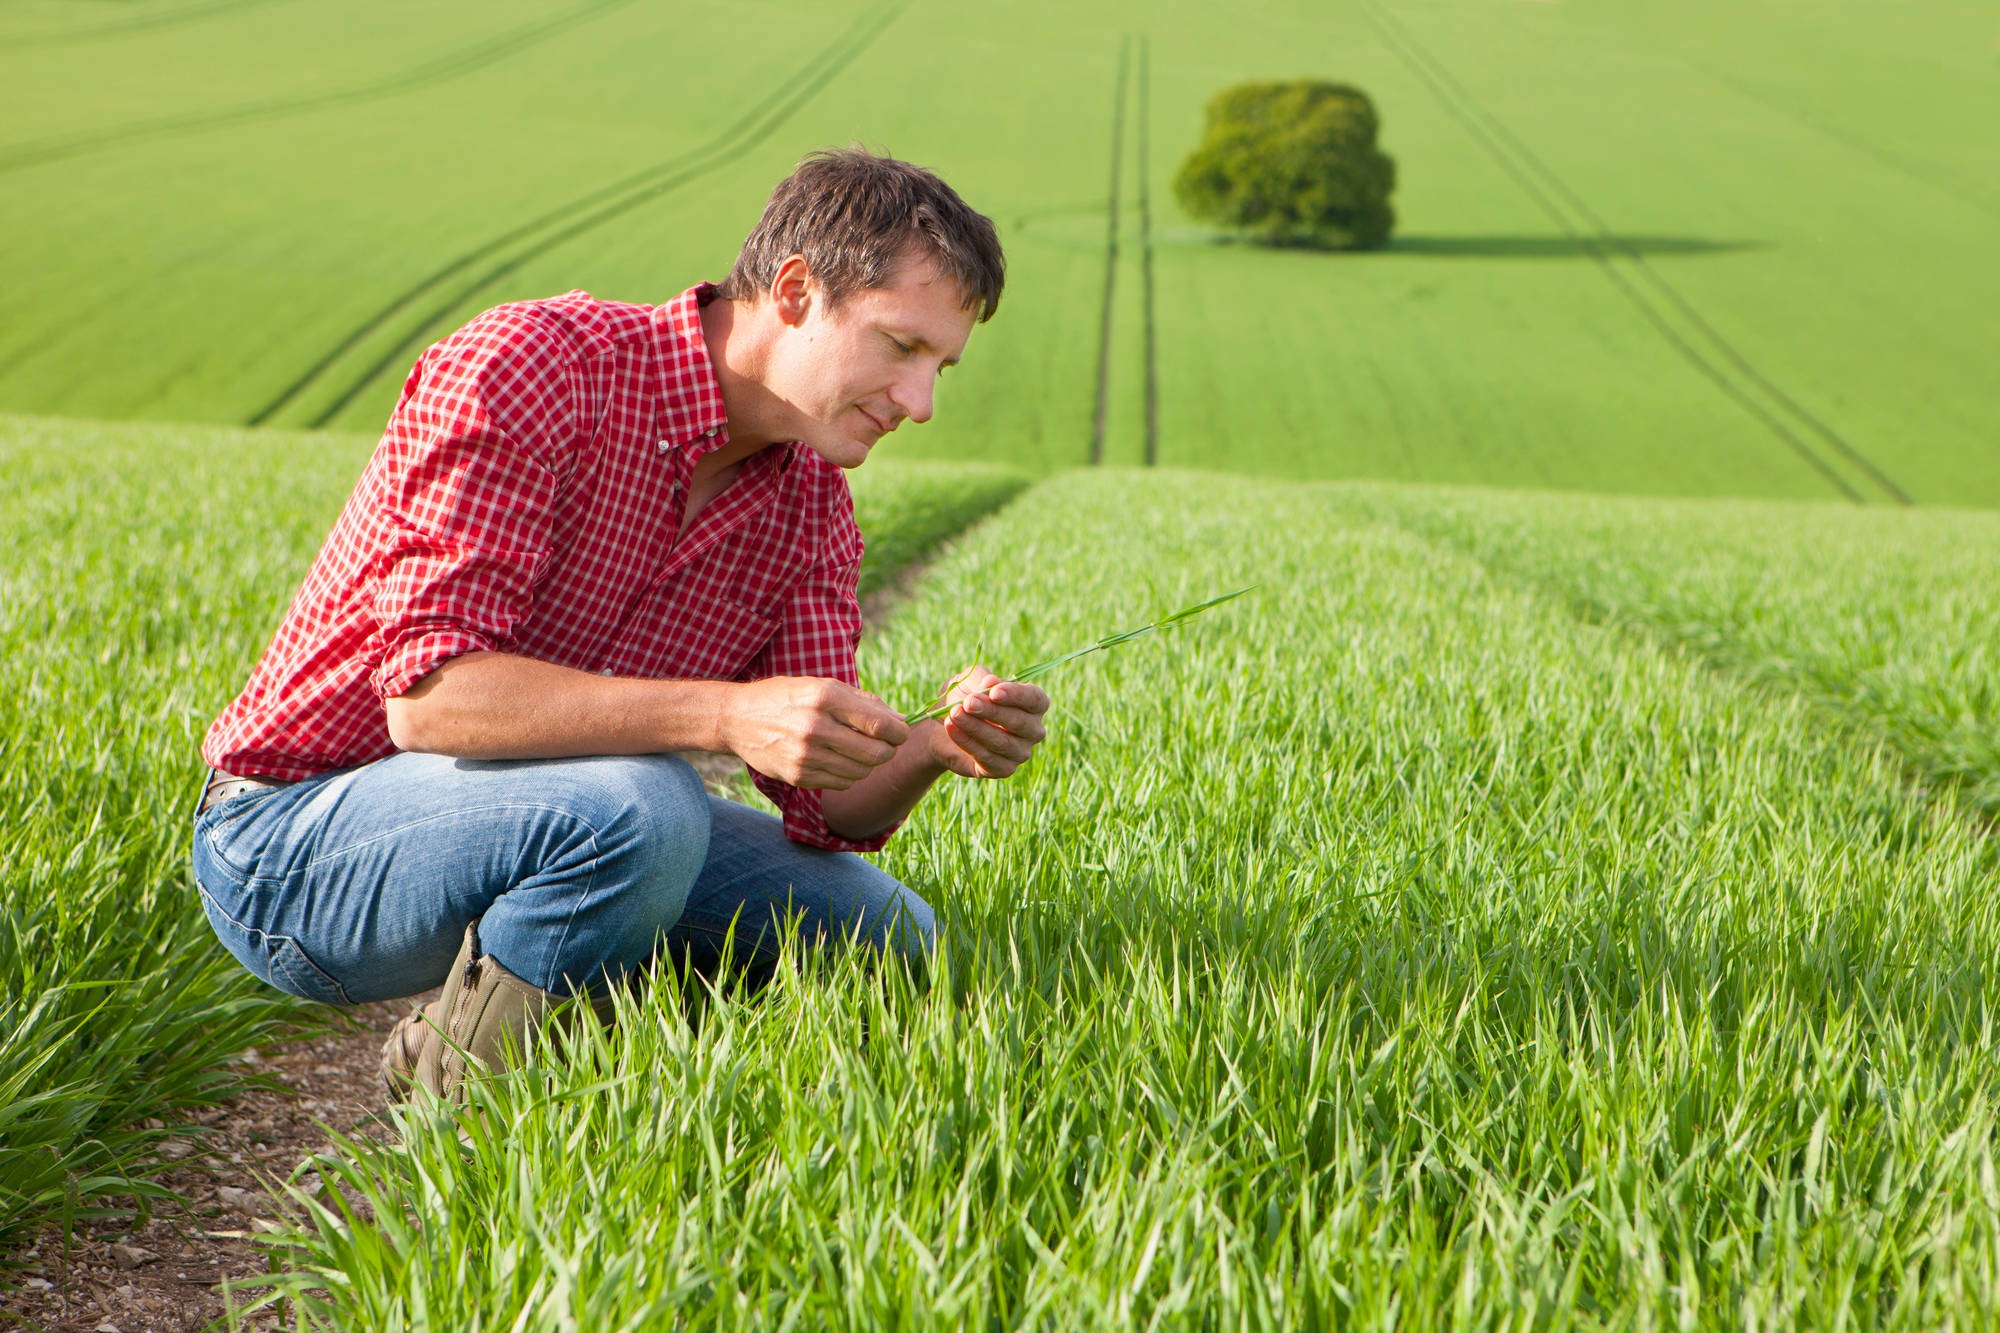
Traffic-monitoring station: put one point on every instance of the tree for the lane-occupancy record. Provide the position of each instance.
(1292, 163)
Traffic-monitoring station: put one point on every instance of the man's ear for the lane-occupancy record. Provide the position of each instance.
(793, 290)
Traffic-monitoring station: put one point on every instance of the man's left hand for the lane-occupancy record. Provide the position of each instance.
(993, 727)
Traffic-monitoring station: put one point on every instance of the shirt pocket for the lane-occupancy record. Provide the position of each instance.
(754, 566)
(711, 637)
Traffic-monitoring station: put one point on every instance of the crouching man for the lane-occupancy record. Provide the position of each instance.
(593, 535)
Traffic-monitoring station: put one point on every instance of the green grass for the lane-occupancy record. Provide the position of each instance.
(142, 569)
(1885, 620)
(906, 509)
(139, 568)
(1704, 251)
(1391, 949)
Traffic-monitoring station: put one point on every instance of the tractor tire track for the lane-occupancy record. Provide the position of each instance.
(1146, 250)
(1102, 411)
(1736, 358)
(182, 15)
(57, 148)
(1606, 247)
(568, 221)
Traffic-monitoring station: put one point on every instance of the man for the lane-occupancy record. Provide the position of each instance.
(593, 535)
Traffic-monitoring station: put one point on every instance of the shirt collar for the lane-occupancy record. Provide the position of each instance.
(691, 412)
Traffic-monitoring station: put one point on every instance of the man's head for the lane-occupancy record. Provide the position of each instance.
(865, 276)
(855, 218)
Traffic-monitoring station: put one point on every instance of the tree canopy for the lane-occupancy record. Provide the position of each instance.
(1292, 163)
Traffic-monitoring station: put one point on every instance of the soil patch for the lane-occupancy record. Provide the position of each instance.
(166, 1275)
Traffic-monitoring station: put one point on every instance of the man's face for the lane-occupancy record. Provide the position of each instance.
(855, 373)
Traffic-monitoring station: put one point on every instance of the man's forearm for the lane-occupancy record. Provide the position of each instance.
(882, 798)
(498, 706)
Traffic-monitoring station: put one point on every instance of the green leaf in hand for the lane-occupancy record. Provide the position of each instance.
(942, 704)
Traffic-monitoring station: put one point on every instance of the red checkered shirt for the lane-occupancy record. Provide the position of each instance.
(525, 499)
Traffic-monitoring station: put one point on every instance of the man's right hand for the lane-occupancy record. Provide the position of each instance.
(810, 732)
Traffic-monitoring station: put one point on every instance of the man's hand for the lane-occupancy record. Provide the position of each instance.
(810, 732)
(993, 727)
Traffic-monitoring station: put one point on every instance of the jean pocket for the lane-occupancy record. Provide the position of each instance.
(296, 974)
(220, 829)
(275, 959)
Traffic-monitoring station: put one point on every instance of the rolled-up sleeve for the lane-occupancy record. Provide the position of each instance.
(463, 491)
(817, 636)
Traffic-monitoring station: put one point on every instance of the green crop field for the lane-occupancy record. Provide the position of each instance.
(1393, 947)
(1883, 619)
(1562, 895)
(1515, 900)
(1744, 249)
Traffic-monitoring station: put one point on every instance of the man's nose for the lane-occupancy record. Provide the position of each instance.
(913, 396)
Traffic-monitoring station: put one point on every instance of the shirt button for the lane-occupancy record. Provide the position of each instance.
(666, 445)
(607, 672)
(710, 433)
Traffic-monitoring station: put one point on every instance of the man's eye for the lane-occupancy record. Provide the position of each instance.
(901, 346)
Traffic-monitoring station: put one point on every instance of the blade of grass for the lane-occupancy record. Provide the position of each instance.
(939, 706)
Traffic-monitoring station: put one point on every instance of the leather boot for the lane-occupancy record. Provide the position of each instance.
(483, 1008)
(406, 1046)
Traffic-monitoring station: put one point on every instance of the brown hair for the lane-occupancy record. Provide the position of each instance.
(855, 216)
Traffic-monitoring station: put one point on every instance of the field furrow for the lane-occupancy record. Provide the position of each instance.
(1149, 349)
(1101, 410)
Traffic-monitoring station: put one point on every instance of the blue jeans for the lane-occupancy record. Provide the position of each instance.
(358, 884)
